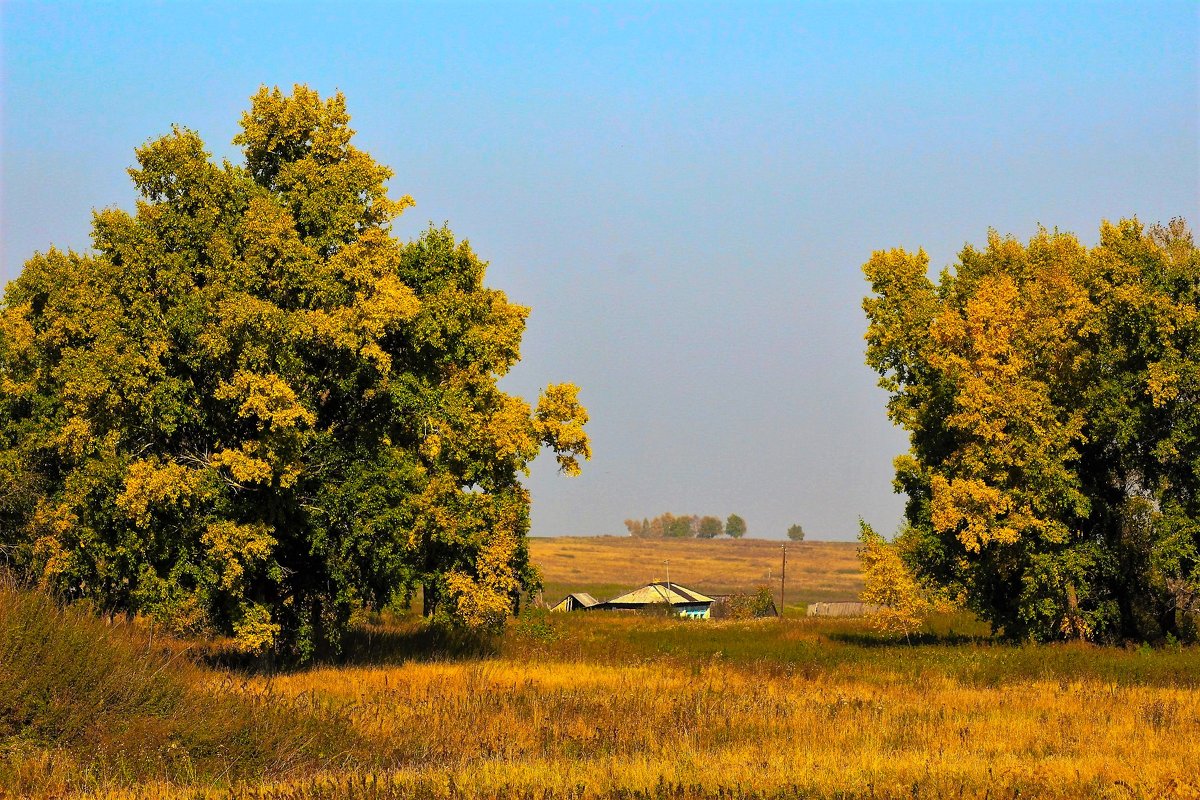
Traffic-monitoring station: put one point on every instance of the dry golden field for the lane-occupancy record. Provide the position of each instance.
(596, 705)
(496, 725)
(606, 565)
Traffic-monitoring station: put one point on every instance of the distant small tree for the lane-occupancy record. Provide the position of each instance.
(678, 527)
(796, 533)
(637, 528)
(710, 528)
(735, 527)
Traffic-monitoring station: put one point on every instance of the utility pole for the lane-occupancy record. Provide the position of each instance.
(782, 578)
(668, 563)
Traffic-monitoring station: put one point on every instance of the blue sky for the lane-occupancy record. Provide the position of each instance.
(683, 192)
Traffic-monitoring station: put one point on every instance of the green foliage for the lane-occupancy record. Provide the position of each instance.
(1052, 397)
(679, 528)
(709, 528)
(747, 606)
(735, 527)
(795, 533)
(536, 624)
(672, 526)
(253, 410)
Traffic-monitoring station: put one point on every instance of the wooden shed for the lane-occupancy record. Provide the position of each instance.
(841, 609)
(576, 601)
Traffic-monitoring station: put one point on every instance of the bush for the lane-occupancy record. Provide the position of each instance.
(746, 606)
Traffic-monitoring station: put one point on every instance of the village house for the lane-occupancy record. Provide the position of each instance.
(686, 602)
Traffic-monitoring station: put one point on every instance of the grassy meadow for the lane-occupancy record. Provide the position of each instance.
(599, 705)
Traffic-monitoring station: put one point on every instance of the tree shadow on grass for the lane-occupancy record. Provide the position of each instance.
(870, 639)
(418, 641)
(371, 645)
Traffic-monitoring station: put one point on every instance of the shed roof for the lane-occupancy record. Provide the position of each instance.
(575, 600)
(661, 592)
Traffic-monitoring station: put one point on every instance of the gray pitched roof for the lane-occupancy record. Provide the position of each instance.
(661, 592)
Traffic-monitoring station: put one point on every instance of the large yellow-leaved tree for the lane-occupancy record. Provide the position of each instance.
(1051, 392)
(252, 409)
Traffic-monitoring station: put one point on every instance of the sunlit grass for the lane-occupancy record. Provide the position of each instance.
(621, 705)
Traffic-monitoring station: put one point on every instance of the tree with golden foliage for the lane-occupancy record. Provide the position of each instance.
(888, 582)
(253, 410)
(1052, 396)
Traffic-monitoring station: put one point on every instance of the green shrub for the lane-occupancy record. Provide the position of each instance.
(746, 606)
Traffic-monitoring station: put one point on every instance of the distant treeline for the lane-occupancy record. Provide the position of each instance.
(687, 526)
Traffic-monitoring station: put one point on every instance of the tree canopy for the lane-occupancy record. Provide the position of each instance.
(709, 527)
(1051, 393)
(795, 532)
(251, 409)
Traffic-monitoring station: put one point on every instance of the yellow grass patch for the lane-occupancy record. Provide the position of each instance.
(494, 727)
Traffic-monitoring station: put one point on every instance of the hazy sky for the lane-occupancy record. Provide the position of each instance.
(683, 192)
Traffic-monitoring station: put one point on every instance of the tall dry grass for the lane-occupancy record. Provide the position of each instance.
(85, 704)
(621, 706)
(596, 705)
(500, 727)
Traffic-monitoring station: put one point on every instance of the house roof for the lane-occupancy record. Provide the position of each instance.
(658, 592)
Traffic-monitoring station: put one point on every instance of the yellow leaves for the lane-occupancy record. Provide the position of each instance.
(272, 250)
(380, 304)
(973, 505)
(485, 599)
(434, 511)
(232, 548)
(1162, 383)
(985, 332)
(888, 583)
(284, 421)
(279, 127)
(51, 524)
(379, 311)
(559, 422)
(16, 345)
(510, 430)
(388, 303)
(431, 446)
(1004, 342)
(900, 312)
(267, 398)
(74, 437)
(254, 632)
(153, 483)
(243, 465)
